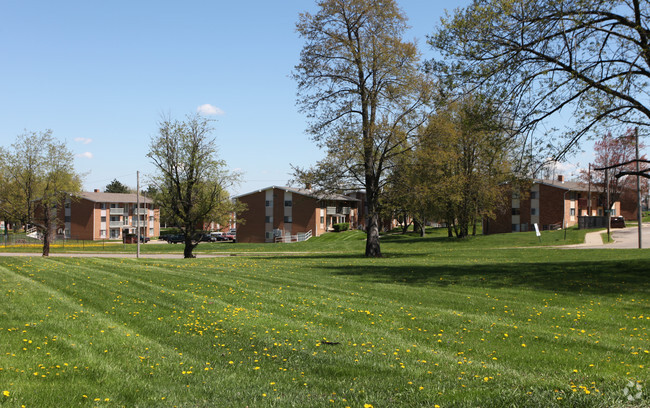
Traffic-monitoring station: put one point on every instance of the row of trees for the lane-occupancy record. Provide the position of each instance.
(439, 142)
(37, 174)
(190, 184)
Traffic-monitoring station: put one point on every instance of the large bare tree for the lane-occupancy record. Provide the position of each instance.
(358, 81)
(584, 62)
(191, 182)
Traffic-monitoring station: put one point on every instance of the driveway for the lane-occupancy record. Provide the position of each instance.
(623, 238)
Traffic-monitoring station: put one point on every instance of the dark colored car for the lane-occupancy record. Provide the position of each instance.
(144, 239)
(207, 238)
(618, 222)
(175, 239)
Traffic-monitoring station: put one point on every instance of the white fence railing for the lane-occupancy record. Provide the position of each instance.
(303, 236)
(33, 233)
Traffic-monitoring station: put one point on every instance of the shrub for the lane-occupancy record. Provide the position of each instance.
(343, 226)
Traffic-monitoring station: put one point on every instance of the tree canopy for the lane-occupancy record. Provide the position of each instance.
(191, 182)
(41, 176)
(116, 186)
(590, 58)
(359, 83)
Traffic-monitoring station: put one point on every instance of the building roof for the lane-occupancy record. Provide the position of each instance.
(306, 192)
(114, 197)
(569, 185)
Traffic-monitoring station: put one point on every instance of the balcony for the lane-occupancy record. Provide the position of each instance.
(116, 224)
(331, 210)
(116, 211)
(141, 211)
(345, 210)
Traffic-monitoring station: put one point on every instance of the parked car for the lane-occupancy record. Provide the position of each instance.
(218, 235)
(618, 222)
(175, 239)
(223, 236)
(207, 238)
(144, 239)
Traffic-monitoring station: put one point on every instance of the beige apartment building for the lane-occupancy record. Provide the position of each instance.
(96, 216)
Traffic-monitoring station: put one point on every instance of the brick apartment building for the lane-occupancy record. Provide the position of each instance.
(549, 204)
(96, 216)
(283, 211)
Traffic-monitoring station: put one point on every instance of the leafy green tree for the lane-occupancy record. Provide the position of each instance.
(191, 182)
(116, 187)
(41, 170)
(359, 83)
(461, 163)
(553, 56)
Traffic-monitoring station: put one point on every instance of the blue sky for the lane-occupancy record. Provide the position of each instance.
(101, 74)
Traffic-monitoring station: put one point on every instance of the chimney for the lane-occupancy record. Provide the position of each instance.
(308, 186)
(96, 190)
(560, 178)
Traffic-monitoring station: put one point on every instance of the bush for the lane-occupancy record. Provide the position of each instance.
(343, 226)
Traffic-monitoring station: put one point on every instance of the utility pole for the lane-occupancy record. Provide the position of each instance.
(608, 207)
(137, 214)
(589, 193)
(639, 214)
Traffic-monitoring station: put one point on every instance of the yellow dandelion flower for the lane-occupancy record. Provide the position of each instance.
(5, 393)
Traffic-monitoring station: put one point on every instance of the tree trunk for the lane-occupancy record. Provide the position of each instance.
(422, 230)
(47, 229)
(450, 233)
(405, 224)
(189, 247)
(416, 225)
(372, 236)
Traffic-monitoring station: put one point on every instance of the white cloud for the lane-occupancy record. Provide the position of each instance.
(209, 110)
(83, 140)
(85, 155)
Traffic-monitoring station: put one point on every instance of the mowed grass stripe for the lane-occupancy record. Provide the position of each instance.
(271, 316)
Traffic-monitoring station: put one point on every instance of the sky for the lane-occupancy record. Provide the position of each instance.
(101, 75)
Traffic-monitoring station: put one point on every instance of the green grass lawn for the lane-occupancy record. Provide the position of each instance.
(350, 242)
(434, 323)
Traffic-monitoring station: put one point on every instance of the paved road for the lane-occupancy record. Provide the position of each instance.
(623, 238)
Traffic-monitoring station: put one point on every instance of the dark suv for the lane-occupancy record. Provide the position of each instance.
(175, 239)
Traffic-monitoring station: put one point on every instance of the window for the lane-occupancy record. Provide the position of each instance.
(151, 218)
(113, 218)
(67, 218)
(573, 212)
(613, 212)
(102, 206)
(268, 219)
(533, 195)
(268, 203)
(151, 232)
(102, 233)
(287, 203)
(515, 227)
(515, 195)
(533, 211)
(322, 220)
(287, 219)
(516, 211)
(103, 219)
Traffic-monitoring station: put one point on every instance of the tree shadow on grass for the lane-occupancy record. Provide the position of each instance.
(601, 277)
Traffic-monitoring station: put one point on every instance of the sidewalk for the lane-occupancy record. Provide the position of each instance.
(621, 238)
